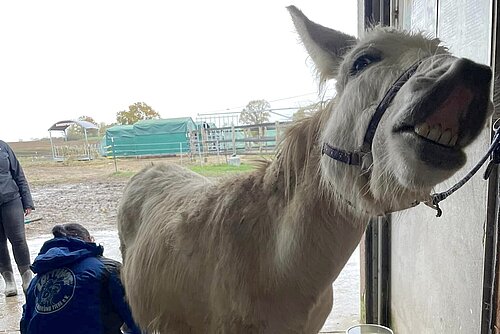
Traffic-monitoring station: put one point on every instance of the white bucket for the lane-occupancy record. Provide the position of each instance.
(368, 329)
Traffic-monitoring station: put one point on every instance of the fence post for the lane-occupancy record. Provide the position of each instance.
(225, 148)
(233, 137)
(277, 132)
(114, 155)
(180, 147)
(199, 148)
(52, 146)
(260, 139)
(218, 153)
(87, 148)
(204, 138)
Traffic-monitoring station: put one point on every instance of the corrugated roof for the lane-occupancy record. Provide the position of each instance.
(62, 125)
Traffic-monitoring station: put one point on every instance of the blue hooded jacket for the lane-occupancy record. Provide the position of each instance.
(75, 290)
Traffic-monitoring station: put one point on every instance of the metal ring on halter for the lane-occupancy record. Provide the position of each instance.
(496, 125)
(493, 153)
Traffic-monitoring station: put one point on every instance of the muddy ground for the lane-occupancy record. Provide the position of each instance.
(90, 203)
(81, 192)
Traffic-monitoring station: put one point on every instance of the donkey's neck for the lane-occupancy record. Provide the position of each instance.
(317, 231)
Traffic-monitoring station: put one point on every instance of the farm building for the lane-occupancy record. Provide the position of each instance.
(149, 137)
(123, 138)
(81, 152)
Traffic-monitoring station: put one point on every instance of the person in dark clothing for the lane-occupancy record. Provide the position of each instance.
(15, 203)
(76, 289)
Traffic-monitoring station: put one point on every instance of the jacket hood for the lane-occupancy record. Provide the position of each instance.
(60, 252)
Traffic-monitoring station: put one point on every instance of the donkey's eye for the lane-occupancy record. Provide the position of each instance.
(362, 62)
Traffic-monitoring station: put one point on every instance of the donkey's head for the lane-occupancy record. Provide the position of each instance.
(438, 106)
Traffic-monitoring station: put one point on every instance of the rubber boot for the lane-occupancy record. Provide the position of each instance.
(26, 277)
(10, 284)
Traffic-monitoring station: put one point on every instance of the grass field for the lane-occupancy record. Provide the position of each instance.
(208, 170)
(41, 148)
(44, 171)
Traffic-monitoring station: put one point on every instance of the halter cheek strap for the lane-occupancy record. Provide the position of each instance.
(350, 158)
(362, 156)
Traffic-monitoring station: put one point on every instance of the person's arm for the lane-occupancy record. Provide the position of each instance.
(18, 175)
(117, 293)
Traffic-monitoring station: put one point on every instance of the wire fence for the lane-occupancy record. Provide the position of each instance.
(76, 152)
(201, 143)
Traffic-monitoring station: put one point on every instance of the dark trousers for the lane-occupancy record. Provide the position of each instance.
(12, 228)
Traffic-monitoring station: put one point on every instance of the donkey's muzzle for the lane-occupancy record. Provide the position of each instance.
(462, 95)
(449, 113)
(472, 74)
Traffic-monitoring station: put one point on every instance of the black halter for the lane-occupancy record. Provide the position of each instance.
(362, 156)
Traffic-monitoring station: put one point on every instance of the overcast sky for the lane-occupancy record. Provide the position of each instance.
(64, 59)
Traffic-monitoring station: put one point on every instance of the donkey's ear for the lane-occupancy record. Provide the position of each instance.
(325, 46)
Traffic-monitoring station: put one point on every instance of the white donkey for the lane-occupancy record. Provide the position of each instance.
(257, 253)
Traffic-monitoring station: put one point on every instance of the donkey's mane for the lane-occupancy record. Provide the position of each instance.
(300, 151)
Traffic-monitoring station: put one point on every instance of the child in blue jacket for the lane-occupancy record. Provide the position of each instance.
(75, 290)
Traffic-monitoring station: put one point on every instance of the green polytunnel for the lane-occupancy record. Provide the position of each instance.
(120, 141)
(150, 137)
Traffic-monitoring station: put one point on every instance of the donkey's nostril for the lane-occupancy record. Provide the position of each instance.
(472, 73)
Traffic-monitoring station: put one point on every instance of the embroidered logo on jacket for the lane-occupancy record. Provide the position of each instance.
(54, 290)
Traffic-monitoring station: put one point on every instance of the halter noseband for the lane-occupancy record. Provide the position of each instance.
(362, 156)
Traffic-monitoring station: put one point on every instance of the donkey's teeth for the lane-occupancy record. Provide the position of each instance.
(445, 137)
(453, 140)
(435, 133)
(422, 129)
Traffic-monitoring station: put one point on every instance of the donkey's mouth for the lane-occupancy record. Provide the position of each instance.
(442, 126)
(423, 135)
(451, 112)
(435, 134)
(434, 145)
(431, 148)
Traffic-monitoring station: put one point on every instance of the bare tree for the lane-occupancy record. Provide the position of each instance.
(255, 112)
